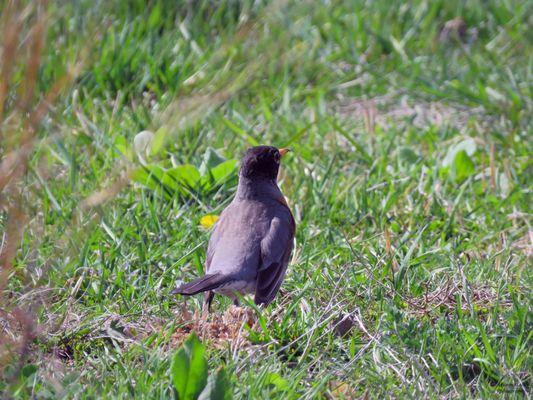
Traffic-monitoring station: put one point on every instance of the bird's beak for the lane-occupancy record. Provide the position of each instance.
(284, 151)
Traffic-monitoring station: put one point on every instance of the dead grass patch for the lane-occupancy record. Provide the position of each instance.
(218, 330)
(394, 109)
(444, 299)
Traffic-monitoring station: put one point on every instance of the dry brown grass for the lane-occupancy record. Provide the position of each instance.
(444, 300)
(393, 109)
(218, 330)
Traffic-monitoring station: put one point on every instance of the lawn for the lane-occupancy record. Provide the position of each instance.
(410, 182)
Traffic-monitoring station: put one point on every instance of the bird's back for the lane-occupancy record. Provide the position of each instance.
(235, 245)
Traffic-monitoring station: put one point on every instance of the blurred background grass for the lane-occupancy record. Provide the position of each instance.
(410, 181)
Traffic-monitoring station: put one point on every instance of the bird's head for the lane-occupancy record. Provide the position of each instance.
(262, 162)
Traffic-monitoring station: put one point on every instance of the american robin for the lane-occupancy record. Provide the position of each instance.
(253, 239)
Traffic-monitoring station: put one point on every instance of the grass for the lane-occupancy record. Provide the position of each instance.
(410, 182)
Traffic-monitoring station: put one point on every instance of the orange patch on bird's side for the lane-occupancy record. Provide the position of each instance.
(207, 221)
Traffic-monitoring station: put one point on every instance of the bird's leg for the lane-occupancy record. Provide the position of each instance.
(208, 298)
(235, 297)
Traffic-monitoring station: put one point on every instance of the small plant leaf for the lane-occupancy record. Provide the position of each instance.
(463, 166)
(185, 174)
(158, 140)
(219, 174)
(277, 380)
(210, 160)
(468, 145)
(149, 175)
(218, 387)
(189, 369)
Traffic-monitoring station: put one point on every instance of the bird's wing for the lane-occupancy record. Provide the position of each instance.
(218, 232)
(276, 249)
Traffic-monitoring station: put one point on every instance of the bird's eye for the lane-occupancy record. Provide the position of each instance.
(277, 156)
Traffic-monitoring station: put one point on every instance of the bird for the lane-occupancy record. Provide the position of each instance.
(253, 239)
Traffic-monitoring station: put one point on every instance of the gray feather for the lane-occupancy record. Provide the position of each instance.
(202, 284)
(276, 248)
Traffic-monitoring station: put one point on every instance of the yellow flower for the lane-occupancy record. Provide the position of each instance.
(207, 221)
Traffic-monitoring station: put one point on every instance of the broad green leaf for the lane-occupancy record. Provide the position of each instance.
(150, 176)
(222, 171)
(277, 380)
(218, 387)
(153, 177)
(468, 145)
(189, 369)
(210, 160)
(159, 140)
(219, 174)
(185, 174)
(463, 166)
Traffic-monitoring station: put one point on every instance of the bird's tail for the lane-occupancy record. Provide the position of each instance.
(202, 284)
